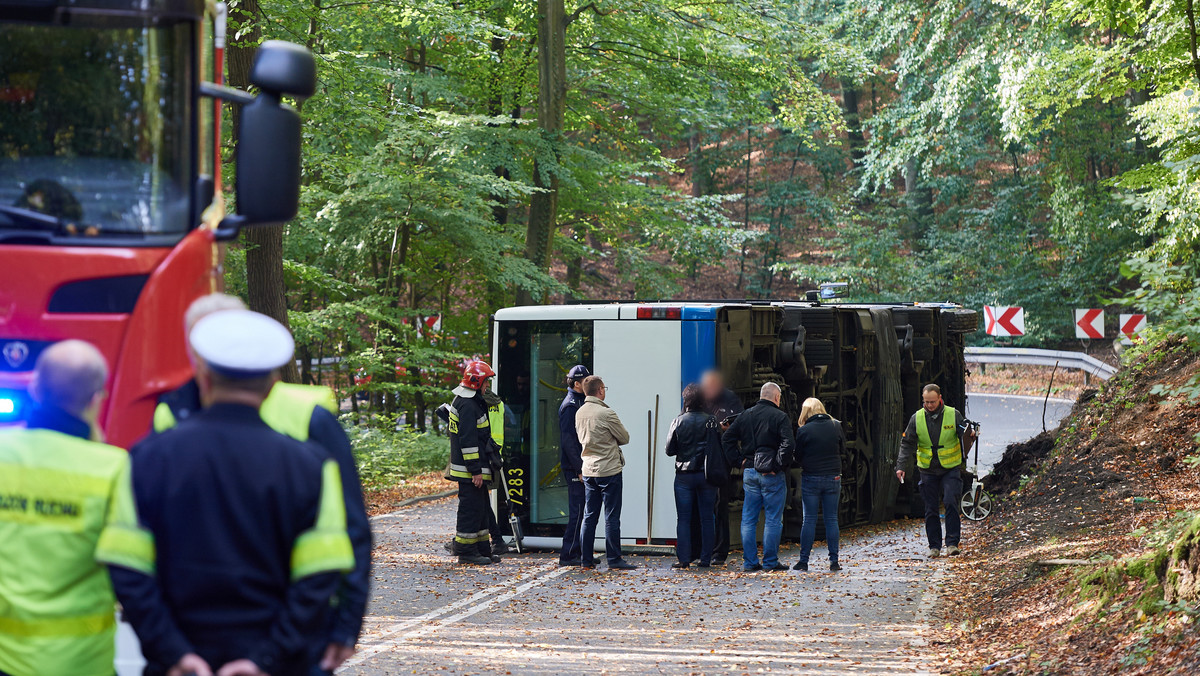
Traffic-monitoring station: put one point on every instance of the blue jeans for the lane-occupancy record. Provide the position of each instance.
(820, 492)
(767, 494)
(598, 490)
(691, 489)
(570, 549)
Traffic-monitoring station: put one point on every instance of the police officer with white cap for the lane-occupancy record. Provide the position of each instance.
(227, 539)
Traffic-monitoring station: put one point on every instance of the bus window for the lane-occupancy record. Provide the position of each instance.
(534, 358)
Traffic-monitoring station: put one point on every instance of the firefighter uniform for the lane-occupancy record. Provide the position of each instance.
(227, 539)
(470, 453)
(306, 413)
(57, 611)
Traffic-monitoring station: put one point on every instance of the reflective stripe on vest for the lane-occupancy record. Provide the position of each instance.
(326, 546)
(949, 447)
(56, 602)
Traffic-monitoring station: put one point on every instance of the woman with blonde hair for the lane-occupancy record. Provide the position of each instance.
(820, 444)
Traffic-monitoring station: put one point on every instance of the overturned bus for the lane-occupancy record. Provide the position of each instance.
(865, 362)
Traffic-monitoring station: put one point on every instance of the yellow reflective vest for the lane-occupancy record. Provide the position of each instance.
(57, 610)
(287, 409)
(949, 447)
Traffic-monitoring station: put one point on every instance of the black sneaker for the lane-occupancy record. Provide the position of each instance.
(679, 565)
(833, 566)
(495, 558)
(500, 548)
(777, 568)
(622, 565)
(474, 560)
(703, 565)
(752, 569)
(588, 566)
(572, 562)
(719, 560)
(801, 565)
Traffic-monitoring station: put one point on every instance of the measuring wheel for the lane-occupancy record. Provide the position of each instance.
(976, 504)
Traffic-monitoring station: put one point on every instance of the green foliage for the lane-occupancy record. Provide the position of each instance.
(387, 455)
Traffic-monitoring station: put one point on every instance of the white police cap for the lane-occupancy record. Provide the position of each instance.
(241, 343)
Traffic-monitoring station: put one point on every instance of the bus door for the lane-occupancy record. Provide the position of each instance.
(533, 358)
(639, 361)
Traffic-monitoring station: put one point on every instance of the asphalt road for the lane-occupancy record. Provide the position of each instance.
(525, 615)
(1006, 418)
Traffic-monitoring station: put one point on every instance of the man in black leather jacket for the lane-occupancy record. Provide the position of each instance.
(760, 442)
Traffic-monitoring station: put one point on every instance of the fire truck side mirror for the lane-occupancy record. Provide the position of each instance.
(284, 69)
(268, 151)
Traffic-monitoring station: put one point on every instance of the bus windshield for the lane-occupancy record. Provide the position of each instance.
(94, 129)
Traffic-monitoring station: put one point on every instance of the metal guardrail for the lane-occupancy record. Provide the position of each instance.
(1034, 357)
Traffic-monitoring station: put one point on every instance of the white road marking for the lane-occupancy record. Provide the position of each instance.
(536, 581)
(393, 635)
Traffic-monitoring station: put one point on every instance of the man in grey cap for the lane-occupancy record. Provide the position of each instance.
(570, 463)
(227, 539)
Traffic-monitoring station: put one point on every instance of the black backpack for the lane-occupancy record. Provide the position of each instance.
(716, 467)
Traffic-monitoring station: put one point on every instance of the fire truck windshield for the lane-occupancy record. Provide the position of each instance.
(95, 136)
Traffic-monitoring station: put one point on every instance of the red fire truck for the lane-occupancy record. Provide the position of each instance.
(109, 221)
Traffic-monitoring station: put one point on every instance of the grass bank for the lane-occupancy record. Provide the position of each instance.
(397, 465)
(1091, 563)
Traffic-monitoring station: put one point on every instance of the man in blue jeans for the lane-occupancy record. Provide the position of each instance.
(601, 435)
(760, 442)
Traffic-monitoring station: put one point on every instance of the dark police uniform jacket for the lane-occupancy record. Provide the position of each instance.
(570, 451)
(350, 603)
(227, 540)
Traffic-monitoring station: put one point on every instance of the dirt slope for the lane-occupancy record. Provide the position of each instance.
(1104, 488)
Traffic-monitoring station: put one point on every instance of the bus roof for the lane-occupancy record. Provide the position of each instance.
(687, 310)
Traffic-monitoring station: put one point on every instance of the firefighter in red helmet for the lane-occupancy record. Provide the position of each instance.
(471, 464)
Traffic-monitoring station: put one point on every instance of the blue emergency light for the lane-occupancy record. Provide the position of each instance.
(10, 406)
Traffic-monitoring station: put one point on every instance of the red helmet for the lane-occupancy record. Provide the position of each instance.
(476, 373)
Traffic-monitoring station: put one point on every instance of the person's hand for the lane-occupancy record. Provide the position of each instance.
(189, 664)
(335, 654)
(477, 480)
(241, 667)
(724, 426)
(900, 475)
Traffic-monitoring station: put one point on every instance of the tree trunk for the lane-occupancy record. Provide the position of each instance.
(264, 245)
(551, 110)
(854, 133)
(919, 198)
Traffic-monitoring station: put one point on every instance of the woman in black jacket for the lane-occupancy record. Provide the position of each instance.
(819, 446)
(692, 435)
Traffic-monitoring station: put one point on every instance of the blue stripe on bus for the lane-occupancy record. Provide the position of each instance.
(698, 348)
(699, 312)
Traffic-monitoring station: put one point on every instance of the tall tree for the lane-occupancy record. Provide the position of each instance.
(265, 286)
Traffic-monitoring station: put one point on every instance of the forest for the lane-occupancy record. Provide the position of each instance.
(465, 156)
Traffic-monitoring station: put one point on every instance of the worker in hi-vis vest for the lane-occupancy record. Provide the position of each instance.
(227, 540)
(305, 413)
(935, 436)
(57, 611)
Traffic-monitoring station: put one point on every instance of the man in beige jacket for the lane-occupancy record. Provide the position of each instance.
(601, 434)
